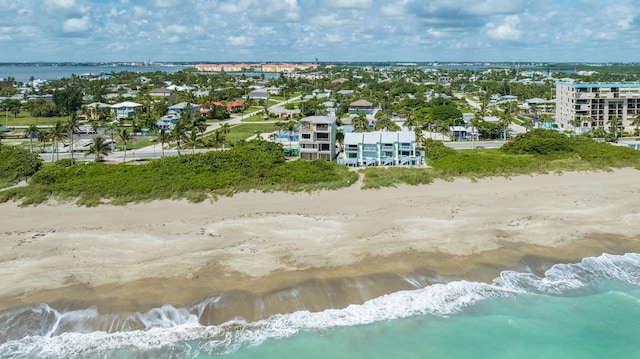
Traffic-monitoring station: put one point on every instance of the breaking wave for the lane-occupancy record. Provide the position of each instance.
(42, 332)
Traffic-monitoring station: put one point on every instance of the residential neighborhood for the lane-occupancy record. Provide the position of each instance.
(353, 114)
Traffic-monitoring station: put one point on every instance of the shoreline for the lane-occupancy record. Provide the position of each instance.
(270, 253)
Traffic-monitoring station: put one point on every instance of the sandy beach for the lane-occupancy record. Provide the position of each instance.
(264, 253)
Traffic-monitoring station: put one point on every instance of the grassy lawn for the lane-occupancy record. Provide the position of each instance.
(254, 118)
(25, 119)
(241, 132)
(251, 110)
(135, 143)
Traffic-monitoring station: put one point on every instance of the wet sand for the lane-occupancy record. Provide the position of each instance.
(264, 253)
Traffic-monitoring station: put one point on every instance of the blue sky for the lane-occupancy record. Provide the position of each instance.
(330, 30)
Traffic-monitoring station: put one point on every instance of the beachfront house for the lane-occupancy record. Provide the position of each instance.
(318, 138)
(380, 148)
(124, 110)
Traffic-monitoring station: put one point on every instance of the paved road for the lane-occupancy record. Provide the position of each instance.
(467, 145)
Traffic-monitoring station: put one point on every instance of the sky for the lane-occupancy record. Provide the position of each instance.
(329, 30)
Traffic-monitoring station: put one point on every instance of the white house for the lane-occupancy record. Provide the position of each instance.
(380, 148)
(124, 110)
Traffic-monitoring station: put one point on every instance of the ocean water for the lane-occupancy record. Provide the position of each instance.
(589, 309)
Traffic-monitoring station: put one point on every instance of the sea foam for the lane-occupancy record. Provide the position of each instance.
(179, 332)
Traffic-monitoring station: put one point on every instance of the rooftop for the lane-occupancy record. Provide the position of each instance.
(600, 85)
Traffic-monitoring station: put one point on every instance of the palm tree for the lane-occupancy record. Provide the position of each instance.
(386, 124)
(279, 126)
(178, 132)
(192, 139)
(217, 139)
(419, 136)
(163, 137)
(576, 123)
(226, 129)
(340, 136)
(198, 123)
(112, 127)
(360, 123)
(599, 132)
(291, 128)
(258, 134)
(32, 131)
(99, 148)
(125, 136)
(527, 123)
(44, 137)
(58, 133)
(546, 118)
(410, 123)
(72, 127)
(614, 128)
(505, 122)
(636, 123)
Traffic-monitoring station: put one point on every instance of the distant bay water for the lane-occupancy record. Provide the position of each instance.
(50, 72)
(23, 73)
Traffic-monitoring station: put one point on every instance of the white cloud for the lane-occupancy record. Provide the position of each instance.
(338, 29)
(76, 25)
(240, 41)
(506, 31)
(350, 4)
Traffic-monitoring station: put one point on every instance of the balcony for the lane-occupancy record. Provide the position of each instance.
(585, 95)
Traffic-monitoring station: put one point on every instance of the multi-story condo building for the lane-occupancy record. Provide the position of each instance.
(380, 148)
(318, 138)
(595, 104)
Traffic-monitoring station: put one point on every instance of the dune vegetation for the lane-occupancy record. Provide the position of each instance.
(261, 166)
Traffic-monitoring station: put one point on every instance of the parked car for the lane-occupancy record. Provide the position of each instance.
(87, 131)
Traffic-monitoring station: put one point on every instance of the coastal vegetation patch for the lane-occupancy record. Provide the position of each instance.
(17, 164)
(253, 165)
(535, 152)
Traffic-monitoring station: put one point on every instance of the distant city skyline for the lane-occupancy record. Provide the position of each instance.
(329, 30)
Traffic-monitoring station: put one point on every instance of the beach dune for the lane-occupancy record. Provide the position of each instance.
(255, 254)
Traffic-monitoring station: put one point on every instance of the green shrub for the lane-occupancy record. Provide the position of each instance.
(435, 150)
(539, 142)
(17, 164)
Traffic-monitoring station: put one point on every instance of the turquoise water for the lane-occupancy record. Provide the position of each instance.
(585, 310)
(603, 325)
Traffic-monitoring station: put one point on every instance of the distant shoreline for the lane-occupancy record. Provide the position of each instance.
(256, 247)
